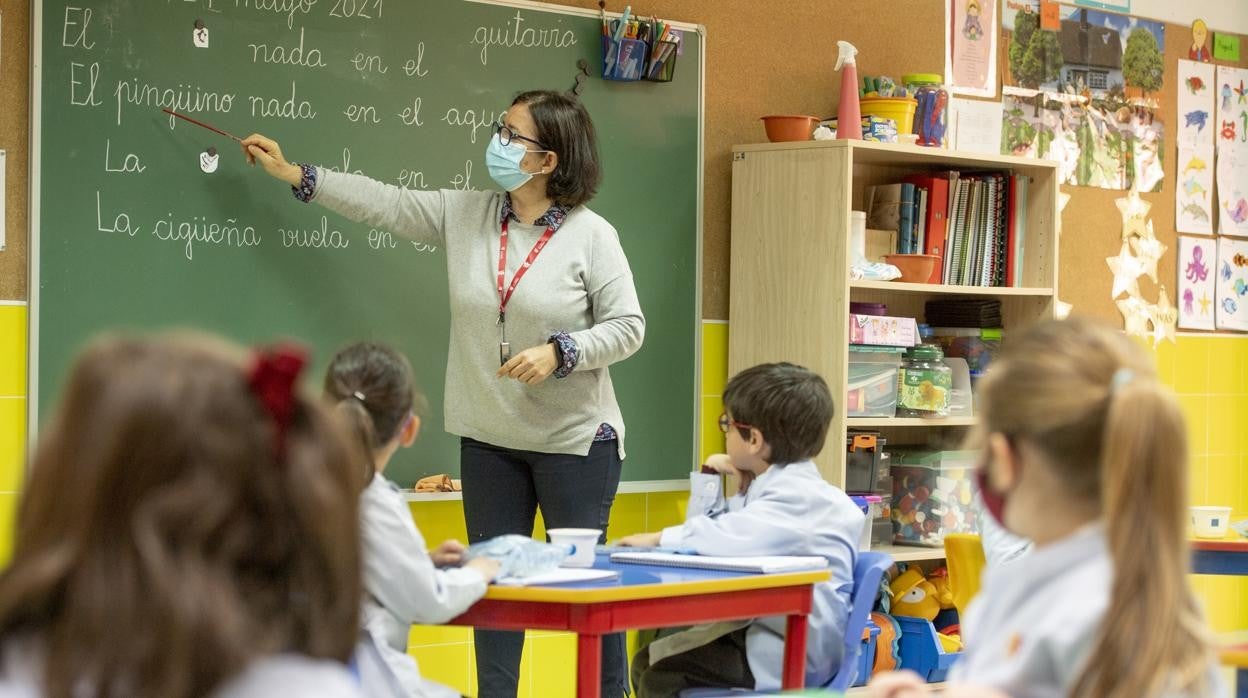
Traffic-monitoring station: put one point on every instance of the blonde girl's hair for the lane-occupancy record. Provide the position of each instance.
(1087, 398)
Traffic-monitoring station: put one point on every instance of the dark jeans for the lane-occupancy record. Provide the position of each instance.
(503, 489)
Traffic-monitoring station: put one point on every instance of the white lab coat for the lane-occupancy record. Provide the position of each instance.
(402, 586)
(788, 510)
(1030, 629)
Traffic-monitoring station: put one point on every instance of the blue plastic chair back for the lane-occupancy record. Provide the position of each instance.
(868, 571)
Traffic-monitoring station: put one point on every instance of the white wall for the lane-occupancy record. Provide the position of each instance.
(1225, 15)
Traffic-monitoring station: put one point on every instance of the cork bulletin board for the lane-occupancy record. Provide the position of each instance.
(15, 140)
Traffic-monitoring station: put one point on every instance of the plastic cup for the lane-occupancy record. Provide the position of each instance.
(581, 540)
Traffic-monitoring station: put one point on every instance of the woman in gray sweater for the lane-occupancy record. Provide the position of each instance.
(542, 303)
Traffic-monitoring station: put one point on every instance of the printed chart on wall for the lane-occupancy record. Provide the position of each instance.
(1193, 197)
(1197, 278)
(1232, 308)
(1084, 91)
(1232, 144)
(149, 222)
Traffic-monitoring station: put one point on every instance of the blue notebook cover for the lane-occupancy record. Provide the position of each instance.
(906, 216)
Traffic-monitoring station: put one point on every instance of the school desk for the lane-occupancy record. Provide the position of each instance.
(1227, 556)
(1235, 655)
(649, 596)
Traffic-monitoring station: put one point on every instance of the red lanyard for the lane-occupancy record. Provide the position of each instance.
(502, 266)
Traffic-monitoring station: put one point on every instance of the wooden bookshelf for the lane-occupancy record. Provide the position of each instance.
(790, 295)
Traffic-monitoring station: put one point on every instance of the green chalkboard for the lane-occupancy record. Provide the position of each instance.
(130, 233)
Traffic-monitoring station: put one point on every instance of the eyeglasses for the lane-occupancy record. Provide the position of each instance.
(506, 136)
(726, 423)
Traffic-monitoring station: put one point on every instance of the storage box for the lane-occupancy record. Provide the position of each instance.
(978, 346)
(865, 461)
(873, 381)
(882, 330)
(932, 492)
(871, 506)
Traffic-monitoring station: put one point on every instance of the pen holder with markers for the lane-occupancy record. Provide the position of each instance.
(661, 64)
(624, 59)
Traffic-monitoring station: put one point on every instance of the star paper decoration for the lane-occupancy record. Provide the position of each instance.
(1164, 317)
(1134, 211)
(1127, 270)
(1135, 314)
(1148, 251)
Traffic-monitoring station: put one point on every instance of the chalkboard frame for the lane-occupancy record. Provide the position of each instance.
(35, 202)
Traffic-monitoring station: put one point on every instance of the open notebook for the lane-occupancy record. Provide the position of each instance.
(762, 565)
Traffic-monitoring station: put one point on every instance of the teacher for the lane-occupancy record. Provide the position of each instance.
(542, 303)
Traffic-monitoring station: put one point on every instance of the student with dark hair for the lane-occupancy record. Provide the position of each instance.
(190, 529)
(373, 388)
(776, 418)
(542, 303)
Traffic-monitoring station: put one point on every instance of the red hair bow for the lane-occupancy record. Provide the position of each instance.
(274, 371)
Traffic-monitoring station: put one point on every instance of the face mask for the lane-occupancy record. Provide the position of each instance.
(994, 501)
(503, 162)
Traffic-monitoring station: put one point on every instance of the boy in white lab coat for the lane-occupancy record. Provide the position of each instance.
(776, 419)
(1085, 456)
(404, 584)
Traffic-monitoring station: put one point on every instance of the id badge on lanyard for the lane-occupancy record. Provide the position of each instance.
(504, 347)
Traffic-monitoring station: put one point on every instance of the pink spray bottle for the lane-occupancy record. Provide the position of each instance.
(848, 115)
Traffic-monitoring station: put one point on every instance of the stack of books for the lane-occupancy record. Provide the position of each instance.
(975, 222)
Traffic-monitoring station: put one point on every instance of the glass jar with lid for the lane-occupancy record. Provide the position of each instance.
(924, 382)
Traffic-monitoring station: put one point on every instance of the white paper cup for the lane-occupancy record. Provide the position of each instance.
(582, 542)
(1211, 522)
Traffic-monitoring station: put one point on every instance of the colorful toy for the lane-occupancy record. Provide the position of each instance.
(939, 579)
(888, 644)
(914, 596)
(932, 496)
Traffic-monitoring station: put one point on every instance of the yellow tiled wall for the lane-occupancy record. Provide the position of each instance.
(12, 418)
(1210, 375)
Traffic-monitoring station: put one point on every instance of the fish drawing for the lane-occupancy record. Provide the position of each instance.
(1196, 118)
(1240, 260)
(1196, 211)
(1192, 187)
(1228, 304)
(1195, 165)
(1241, 287)
(1239, 214)
(1195, 84)
(1188, 299)
(1226, 271)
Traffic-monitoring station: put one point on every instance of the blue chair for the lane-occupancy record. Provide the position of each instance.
(868, 572)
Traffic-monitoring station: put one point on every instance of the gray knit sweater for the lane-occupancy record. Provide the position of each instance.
(581, 284)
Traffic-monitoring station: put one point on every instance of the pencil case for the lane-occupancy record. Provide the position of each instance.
(624, 60)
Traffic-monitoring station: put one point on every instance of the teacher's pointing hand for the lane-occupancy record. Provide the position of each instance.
(268, 153)
(531, 366)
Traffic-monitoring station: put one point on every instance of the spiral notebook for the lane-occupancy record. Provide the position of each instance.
(768, 564)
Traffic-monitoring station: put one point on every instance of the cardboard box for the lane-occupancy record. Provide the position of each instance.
(882, 330)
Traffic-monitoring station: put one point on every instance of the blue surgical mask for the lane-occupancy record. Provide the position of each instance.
(503, 162)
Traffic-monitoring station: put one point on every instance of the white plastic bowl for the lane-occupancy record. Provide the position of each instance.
(1211, 522)
(582, 541)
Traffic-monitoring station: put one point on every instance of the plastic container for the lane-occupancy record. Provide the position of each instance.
(873, 381)
(866, 655)
(870, 504)
(899, 109)
(925, 382)
(932, 494)
(582, 540)
(783, 127)
(932, 112)
(848, 111)
(1211, 522)
(921, 651)
(865, 461)
(978, 346)
(877, 309)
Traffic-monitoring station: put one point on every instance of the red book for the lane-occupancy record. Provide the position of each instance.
(937, 186)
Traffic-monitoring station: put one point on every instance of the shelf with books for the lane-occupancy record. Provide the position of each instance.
(902, 287)
(789, 300)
